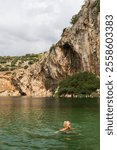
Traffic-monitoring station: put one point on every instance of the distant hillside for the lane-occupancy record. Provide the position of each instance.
(8, 63)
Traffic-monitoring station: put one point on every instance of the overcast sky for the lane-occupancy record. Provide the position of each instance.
(32, 26)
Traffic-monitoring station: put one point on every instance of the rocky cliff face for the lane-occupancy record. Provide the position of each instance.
(77, 50)
(6, 86)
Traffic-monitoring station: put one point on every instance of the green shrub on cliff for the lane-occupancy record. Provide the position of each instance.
(96, 5)
(81, 83)
(74, 19)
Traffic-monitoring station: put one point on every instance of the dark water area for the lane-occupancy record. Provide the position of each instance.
(32, 123)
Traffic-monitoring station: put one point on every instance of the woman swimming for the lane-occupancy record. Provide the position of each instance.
(67, 126)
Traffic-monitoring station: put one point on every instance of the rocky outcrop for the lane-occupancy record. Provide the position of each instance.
(77, 50)
(6, 86)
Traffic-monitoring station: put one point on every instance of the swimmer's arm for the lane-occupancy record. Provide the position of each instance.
(63, 129)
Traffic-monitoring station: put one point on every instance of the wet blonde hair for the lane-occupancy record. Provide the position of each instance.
(67, 124)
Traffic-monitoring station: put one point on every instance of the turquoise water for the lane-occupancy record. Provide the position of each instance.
(31, 124)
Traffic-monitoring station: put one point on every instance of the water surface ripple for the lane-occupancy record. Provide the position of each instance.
(31, 123)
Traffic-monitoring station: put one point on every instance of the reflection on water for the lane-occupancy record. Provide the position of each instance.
(31, 123)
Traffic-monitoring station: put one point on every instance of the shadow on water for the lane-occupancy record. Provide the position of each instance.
(32, 123)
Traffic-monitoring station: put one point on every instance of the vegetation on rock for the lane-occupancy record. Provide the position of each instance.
(10, 63)
(83, 83)
(74, 19)
(96, 5)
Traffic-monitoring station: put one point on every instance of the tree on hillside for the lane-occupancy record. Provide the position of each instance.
(81, 83)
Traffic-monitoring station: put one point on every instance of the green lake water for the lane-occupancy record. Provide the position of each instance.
(31, 124)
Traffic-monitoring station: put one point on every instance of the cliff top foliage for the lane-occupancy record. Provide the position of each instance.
(74, 19)
(83, 83)
(9, 63)
(95, 5)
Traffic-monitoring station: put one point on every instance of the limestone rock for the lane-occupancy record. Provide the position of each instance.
(6, 86)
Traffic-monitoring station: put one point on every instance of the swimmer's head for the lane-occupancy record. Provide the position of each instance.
(67, 124)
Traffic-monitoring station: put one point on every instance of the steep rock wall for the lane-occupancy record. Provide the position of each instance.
(6, 86)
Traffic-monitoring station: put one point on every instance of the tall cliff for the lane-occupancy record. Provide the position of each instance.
(77, 50)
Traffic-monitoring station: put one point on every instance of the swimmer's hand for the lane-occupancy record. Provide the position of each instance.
(66, 129)
(62, 130)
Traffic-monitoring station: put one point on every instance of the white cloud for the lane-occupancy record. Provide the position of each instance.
(32, 26)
